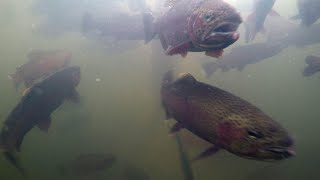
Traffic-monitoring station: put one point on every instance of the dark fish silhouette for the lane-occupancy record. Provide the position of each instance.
(35, 108)
(255, 21)
(291, 34)
(194, 26)
(278, 29)
(313, 65)
(131, 172)
(241, 56)
(224, 120)
(41, 63)
(88, 164)
(119, 26)
(301, 37)
(308, 11)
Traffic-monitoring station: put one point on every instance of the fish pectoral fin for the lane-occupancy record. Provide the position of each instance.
(176, 128)
(163, 41)
(179, 49)
(184, 54)
(208, 152)
(44, 124)
(74, 97)
(26, 91)
(19, 143)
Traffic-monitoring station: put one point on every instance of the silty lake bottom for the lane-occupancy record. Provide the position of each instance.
(120, 110)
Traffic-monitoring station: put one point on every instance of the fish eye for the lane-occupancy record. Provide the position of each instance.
(254, 134)
(207, 17)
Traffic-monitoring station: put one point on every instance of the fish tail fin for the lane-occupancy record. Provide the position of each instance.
(149, 30)
(14, 161)
(87, 23)
(209, 68)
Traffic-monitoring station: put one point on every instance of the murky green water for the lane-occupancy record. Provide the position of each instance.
(121, 114)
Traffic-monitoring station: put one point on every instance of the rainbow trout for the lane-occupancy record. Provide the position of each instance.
(224, 120)
(35, 109)
(194, 26)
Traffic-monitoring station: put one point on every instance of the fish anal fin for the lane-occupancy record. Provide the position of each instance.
(176, 128)
(208, 152)
(44, 124)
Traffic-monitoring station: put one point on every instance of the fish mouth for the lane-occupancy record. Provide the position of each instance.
(220, 37)
(281, 152)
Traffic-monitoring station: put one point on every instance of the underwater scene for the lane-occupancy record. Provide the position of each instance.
(159, 89)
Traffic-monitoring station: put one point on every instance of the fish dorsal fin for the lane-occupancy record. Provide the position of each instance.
(170, 3)
(186, 78)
